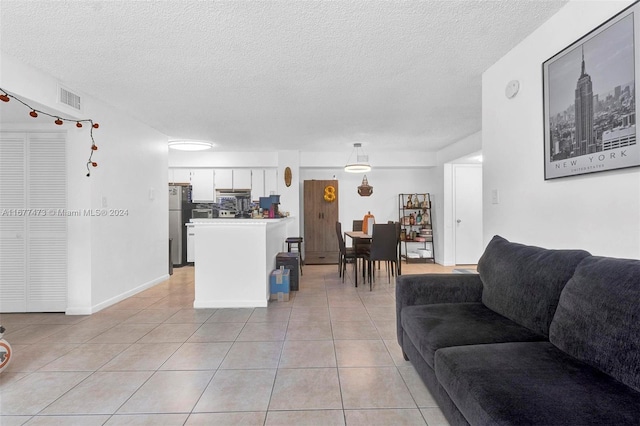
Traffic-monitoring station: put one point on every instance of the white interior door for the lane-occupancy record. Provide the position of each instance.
(467, 183)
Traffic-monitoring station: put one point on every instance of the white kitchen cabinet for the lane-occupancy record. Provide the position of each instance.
(202, 186)
(224, 178)
(271, 181)
(179, 175)
(241, 179)
(257, 184)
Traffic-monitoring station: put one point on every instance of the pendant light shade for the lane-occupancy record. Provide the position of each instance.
(189, 145)
(365, 190)
(361, 165)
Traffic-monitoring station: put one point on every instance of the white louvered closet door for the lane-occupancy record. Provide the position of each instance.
(36, 271)
(13, 253)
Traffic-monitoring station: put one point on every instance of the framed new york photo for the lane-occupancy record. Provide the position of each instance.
(590, 101)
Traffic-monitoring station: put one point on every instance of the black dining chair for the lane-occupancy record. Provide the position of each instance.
(361, 245)
(384, 247)
(346, 253)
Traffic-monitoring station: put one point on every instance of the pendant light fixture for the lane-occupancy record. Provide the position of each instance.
(189, 145)
(361, 165)
(365, 190)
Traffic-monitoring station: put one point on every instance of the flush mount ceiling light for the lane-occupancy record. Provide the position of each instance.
(189, 145)
(362, 161)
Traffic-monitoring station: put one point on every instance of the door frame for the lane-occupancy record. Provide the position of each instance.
(455, 208)
(449, 240)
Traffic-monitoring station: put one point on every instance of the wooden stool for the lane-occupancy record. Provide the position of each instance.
(298, 243)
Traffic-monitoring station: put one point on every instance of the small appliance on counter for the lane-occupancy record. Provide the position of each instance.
(203, 211)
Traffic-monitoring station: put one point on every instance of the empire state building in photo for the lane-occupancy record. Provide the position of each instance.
(585, 142)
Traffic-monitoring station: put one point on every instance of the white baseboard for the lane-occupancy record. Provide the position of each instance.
(200, 304)
(78, 311)
(112, 301)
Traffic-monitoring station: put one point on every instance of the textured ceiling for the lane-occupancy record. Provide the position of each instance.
(264, 75)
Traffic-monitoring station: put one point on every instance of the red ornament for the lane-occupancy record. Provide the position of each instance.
(96, 125)
(94, 164)
(78, 124)
(94, 147)
(58, 122)
(33, 113)
(4, 98)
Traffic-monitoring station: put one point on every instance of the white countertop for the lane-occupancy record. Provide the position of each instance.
(235, 222)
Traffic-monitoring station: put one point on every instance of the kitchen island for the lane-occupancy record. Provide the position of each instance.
(234, 259)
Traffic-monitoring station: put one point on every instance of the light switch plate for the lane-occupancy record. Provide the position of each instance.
(495, 197)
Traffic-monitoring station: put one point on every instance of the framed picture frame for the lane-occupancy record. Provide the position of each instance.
(589, 100)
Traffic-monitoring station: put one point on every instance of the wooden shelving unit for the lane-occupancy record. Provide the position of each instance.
(416, 231)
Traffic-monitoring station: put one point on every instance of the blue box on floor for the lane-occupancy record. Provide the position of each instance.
(279, 284)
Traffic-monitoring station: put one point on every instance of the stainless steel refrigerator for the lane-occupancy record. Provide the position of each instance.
(179, 214)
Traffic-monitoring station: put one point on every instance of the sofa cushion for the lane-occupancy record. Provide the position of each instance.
(431, 327)
(598, 317)
(532, 383)
(426, 289)
(523, 283)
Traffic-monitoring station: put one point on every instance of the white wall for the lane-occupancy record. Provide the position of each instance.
(290, 198)
(109, 257)
(214, 158)
(387, 184)
(599, 212)
(130, 252)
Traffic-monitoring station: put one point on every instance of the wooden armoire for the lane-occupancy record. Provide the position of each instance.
(320, 217)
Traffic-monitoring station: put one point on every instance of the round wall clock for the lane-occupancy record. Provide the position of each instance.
(512, 89)
(287, 177)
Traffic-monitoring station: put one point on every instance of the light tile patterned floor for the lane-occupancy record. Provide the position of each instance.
(328, 356)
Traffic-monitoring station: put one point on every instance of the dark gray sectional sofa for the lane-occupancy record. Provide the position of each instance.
(539, 337)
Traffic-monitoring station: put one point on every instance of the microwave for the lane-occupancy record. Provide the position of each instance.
(202, 214)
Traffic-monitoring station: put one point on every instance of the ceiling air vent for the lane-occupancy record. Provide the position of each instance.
(69, 98)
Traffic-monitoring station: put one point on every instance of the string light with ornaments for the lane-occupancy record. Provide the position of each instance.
(34, 112)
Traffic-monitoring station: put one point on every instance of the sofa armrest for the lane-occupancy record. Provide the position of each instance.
(427, 289)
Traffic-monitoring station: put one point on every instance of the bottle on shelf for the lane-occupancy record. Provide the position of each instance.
(412, 219)
(409, 202)
(419, 218)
